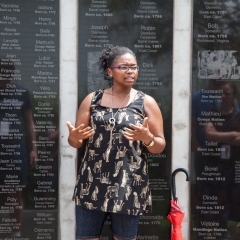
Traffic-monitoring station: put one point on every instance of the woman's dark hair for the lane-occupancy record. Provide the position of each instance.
(109, 55)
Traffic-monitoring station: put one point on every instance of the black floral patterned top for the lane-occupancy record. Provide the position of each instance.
(113, 175)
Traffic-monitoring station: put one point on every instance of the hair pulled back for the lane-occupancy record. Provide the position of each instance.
(109, 55)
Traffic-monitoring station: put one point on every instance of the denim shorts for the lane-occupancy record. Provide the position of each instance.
(89, 224)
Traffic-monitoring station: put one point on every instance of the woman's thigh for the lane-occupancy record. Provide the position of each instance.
(124, 226)
(89, 223)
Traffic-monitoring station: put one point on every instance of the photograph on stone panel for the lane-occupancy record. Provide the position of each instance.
(218, 64)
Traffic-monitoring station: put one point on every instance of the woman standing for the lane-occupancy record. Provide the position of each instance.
(120, 125)
(223, 135)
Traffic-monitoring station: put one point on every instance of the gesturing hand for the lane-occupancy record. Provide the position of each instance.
(138, 132)
(79, 133)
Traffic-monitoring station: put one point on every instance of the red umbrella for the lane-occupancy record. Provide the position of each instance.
(175, 215)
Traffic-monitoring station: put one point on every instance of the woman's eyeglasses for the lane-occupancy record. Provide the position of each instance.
(125, 68)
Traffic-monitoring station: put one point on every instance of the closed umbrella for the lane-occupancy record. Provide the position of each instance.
(175, 215)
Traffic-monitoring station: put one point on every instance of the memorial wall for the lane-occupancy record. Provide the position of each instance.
(146, 28)
(215, 175)
(29, 99)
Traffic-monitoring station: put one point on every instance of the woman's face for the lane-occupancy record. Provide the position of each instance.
(228, 95)
(125, 78)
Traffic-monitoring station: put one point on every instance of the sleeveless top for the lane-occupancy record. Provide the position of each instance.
(113, 175)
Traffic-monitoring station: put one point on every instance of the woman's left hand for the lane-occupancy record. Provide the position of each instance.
(138, 132)
(151, 130)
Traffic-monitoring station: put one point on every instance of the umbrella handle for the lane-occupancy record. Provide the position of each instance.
(173, 180)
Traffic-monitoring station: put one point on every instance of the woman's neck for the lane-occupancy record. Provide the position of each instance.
(120, 91)
(226, 109)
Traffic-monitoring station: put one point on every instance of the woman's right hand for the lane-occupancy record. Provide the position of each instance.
(78, 134)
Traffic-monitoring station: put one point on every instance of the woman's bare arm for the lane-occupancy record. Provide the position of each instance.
(231, 137)
(82, 130)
